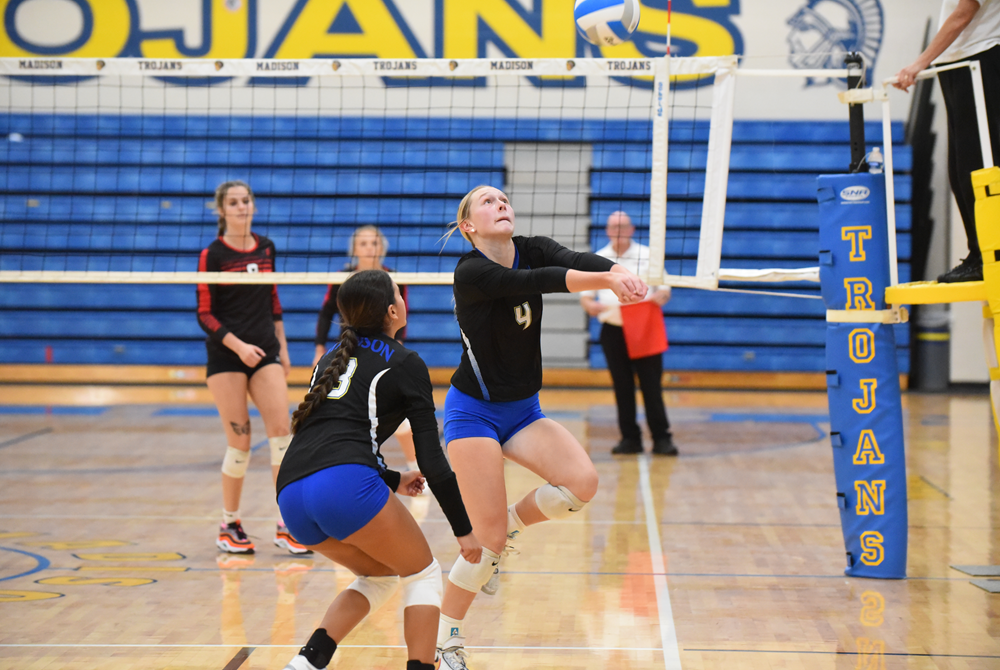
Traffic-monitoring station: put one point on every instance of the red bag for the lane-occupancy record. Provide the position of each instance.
(644, 330)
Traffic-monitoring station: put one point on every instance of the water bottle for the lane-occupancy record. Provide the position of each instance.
(875, 161)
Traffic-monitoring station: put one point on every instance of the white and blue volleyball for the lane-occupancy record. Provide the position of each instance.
(606, 22)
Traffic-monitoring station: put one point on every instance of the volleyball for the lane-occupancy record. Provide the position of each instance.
(606, 22)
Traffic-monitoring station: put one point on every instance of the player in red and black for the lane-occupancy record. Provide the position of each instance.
(247, 353)
(367, 248)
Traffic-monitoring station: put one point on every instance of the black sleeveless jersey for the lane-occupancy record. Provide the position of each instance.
(384, 383)
(247, 310)
(499, 311)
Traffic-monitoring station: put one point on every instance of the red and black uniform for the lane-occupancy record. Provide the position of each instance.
(248, 311)
(329, 309)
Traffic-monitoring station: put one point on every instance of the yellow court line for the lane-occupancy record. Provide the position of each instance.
(125, 568)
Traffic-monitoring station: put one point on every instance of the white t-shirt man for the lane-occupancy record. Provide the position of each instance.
(982, 33)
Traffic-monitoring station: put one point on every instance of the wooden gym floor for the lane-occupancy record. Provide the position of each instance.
(730, 556)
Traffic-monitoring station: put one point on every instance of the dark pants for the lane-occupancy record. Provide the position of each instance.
(623, 371)
(964, 151)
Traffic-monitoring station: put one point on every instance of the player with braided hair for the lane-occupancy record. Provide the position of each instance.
(334, 487)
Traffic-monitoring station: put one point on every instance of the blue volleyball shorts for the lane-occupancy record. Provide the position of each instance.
(334, 502)
(465, 416)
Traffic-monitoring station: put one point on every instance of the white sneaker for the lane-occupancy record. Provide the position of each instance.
(452, 658)
(300, 662)
(491, 587)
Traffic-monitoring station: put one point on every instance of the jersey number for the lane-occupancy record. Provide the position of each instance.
(344, 382)
(522, 314)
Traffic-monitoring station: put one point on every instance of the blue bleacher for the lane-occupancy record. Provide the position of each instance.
(135, 193)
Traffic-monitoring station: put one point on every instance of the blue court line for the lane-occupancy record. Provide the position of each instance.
(53, 409)
(564, 415)
(813, 420)
(733, 417)
(195, 411)
(241, 656)
(25, 437)
(179, 467)
(42, 563)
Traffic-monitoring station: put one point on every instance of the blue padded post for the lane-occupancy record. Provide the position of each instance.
(863, 377)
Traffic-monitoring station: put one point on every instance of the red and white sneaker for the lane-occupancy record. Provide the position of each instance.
(284, 539)
(233, 540)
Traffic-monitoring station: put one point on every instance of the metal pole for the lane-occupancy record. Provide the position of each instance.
(856, 79)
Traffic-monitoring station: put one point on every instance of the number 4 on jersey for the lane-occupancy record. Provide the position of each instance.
(344, 382)
(522, 314)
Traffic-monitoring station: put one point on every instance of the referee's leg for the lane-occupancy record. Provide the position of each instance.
(622, 377)
(650, 372)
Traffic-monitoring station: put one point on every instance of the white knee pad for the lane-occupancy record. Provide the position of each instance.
(235, 463)
(423, 588)
(378, 590)
(557, 502)
(472, 576)
(278, 446)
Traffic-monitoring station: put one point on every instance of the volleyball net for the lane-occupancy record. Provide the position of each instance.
(109, 166)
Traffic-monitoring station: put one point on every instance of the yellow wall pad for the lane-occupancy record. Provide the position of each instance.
(931, 292)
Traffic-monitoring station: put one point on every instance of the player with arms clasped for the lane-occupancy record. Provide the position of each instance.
(335, 491)
(247, 353)
(492, 410)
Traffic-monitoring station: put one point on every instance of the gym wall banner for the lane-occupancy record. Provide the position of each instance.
(773, 34)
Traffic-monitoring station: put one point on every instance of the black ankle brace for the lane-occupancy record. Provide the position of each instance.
(319, 649)
(417, 665)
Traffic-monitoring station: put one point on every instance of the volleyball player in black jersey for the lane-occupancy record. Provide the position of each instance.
(492, 410)
(334, 487)
(367, 248)
(247, 353)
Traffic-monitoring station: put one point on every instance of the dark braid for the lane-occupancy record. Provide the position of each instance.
(327, 380)
(363, 302)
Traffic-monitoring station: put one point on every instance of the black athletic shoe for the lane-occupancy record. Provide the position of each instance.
(664, 447)
(628, 445)
(970, 269)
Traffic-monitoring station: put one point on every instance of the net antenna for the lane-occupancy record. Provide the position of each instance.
(670, 4)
